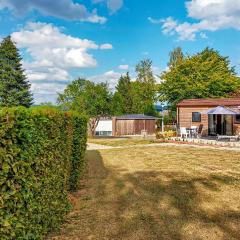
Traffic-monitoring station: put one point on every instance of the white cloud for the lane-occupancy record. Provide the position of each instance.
(123, 67)
(106, 46)
(53, 54)
(46, 42)
(210, 15)
(48, 46)
(46, 92)
(154, 21)
(49, 74)
(46, 82)
(111, 77)
(47, 88)
(113, 5)
(206, 9)
(65, 9)
(203, 35)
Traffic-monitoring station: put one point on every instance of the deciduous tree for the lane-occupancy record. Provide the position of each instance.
(92, 99)
(206, 74)
(145, 87)
(175, 57)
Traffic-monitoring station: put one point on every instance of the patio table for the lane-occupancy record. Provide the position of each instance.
(191, 131)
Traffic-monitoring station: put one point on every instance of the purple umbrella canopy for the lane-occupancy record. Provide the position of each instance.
(220, 110)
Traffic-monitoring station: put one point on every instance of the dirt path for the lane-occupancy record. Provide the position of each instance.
(94, 146)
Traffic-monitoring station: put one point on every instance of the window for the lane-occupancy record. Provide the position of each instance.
(196, 117)
(237, 119)
(103, 133)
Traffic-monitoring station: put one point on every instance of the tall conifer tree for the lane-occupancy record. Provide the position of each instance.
(14, 86)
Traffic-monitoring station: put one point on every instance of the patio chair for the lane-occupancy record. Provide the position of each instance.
(183, 132)
(194, 131)
(199, 131)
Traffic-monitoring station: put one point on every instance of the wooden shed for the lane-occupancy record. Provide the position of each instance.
(133, 124)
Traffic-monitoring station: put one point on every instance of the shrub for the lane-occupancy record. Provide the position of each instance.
(166, 134)
(41, 157)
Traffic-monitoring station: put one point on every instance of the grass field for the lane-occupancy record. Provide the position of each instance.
(157, 193)
(116, 142)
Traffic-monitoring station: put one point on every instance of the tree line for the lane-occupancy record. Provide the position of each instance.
(206, 74)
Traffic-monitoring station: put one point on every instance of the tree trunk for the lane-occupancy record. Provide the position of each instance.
(93, 122)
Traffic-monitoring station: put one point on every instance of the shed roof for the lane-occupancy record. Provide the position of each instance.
(136, 117)
(210, 102)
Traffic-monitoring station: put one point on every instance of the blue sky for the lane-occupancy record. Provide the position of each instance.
(102, 39)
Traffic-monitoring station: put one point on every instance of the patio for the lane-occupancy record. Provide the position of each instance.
(219, 128)
(210, 140)
(209, 121)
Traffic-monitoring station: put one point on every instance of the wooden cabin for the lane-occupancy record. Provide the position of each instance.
(190, 113)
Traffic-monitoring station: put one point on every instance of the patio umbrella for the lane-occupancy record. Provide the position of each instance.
(220, 110)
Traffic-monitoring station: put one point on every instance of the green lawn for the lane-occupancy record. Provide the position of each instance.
(157, 193)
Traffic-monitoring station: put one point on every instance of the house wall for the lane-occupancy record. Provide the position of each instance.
(185, 118)
(236, 126)
(133, 127)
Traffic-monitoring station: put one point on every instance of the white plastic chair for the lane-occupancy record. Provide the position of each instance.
(183, 132)
(194, 131)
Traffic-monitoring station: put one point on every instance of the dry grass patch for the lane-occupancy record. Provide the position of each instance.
(157, 193)
(117, 142)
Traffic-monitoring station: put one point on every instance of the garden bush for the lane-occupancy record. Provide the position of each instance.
(166, 134)
(41, 158)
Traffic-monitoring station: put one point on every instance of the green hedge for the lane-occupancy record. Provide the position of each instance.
(41, 158)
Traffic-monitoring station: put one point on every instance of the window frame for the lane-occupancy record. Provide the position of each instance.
(200, 117)
(235, 119)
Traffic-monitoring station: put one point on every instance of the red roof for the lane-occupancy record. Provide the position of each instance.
(210, 102)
